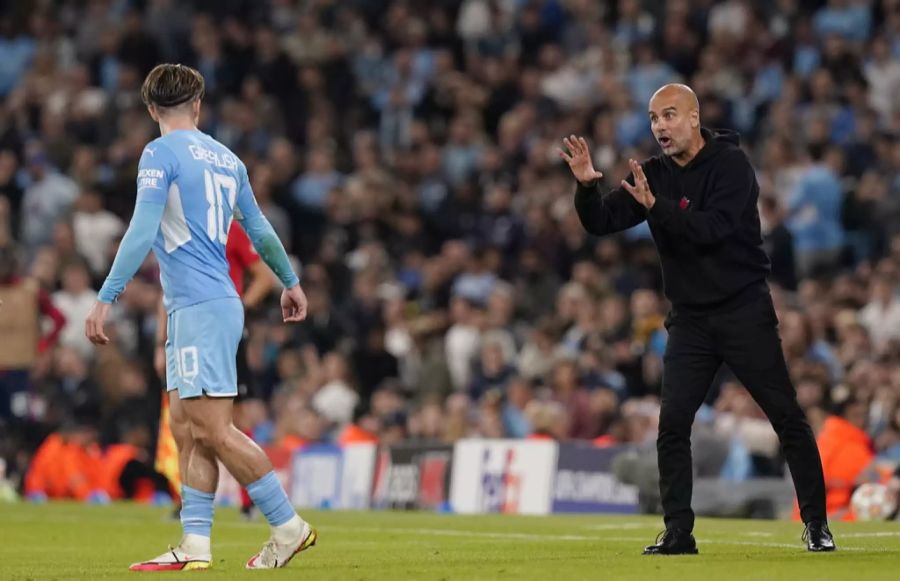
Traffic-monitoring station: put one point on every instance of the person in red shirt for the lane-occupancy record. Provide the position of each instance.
(253, 281)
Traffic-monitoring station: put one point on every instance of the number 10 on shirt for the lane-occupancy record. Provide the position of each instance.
(219, 187)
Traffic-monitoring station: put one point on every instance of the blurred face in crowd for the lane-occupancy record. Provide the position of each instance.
(675, 122)
(565, 376)
(75, 278)
(492, 359)
(882, 290)
(793, 330)
(518, 393)
(644, 304)
(44, 267)
(856, 414)
(810, 393)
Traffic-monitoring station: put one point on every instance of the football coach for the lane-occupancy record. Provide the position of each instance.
(699, 197)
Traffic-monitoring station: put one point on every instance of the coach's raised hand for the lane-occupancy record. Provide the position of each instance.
(293, 304)
(579, 159)
(640, 191)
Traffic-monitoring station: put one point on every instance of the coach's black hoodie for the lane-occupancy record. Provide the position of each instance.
(705, 223)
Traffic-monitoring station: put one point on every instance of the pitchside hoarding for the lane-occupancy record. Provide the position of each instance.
(510, 476)
(476, 476)
(328, 476)
(412, 476)
(585, 483)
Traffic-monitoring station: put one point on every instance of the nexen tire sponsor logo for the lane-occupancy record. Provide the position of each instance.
(584, 486)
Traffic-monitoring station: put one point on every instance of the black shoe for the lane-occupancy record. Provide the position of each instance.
(817, 537)
(673, 542)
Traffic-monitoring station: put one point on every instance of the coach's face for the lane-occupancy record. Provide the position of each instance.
(674, 119)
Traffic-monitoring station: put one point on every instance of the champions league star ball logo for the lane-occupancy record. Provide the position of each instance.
(500, 491)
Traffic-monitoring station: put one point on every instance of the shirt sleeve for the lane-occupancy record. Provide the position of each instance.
(156, 170)
(262, 235)
(133, 250)
(602, 214)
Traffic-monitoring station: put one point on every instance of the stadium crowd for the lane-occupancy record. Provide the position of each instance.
(405, 152)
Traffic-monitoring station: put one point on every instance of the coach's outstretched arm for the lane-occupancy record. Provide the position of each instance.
(271, 250)
(599, 214)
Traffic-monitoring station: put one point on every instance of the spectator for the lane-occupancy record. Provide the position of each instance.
(881, 316)
(95, 229)
(74, 301)
(846, 451)
(47, 199)
(779, 244)
(814, 216)
(23, 345)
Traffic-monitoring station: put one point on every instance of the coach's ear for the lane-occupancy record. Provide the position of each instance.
(154, 114)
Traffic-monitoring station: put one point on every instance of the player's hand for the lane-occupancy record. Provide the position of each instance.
(640, 191)
(579, 159)
(293, 304)
(93, 325)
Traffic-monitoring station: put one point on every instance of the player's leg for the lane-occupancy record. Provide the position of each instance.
(210, 362)
(751, 346)
(689, 366)
(199, 475)
(212, 427)
(199, 479)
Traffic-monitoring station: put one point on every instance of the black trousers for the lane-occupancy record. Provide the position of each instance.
(745, 338)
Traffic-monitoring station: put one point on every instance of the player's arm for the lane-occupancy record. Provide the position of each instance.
(271, 250)
(155, 172)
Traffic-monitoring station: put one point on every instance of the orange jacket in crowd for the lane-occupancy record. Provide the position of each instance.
(354, 434)
(62, 469)
(291, 442)
(115, 458)
(846, 452)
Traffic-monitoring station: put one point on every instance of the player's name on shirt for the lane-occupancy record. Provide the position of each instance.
(225, 160)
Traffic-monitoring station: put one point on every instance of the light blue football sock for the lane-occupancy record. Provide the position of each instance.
(270, 498)
(196, 511)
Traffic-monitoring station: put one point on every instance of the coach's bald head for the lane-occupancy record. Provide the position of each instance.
(675, 121)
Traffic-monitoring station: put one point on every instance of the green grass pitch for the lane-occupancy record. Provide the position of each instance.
(71, 541)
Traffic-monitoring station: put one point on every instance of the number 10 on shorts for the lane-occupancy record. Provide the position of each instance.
(187, 362)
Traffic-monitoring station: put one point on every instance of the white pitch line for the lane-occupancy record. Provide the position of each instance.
(872, 534)
(628, 526)
(462, 533)
(546, 537)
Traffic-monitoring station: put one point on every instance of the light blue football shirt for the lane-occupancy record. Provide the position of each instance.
(202, 185)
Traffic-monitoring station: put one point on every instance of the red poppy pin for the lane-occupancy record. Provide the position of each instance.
(684, 203)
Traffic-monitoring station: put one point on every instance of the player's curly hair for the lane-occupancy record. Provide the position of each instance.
(170, 85)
